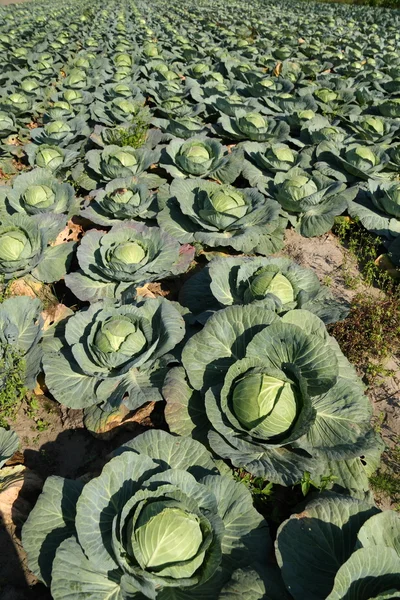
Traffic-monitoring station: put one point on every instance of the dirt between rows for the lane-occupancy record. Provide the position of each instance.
(64, 447)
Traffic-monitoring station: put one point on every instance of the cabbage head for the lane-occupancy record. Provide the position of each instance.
(252, 126)
(220, 215)
(159, 522)
(352, 163)
(201, 157)
(107, 355)
(121, 200)
(262, 390)
(275, 283)
(129, 255)
(314, 198)
(113, 162)
(38, 192)
(25, 247)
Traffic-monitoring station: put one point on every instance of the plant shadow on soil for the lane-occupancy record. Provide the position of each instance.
(72, 453)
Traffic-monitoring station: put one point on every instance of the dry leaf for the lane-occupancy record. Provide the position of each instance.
(301, 41)
(278, 69)
(72, 232)
(144, 292)
(152, 290)
(126, 418)
(26, 287)
(55, 313)
(14, 507)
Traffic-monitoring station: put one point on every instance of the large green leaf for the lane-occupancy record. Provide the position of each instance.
(382, 529)
(173, 452)
(311, 546)
(342, 422)
(224, 339)
(55, 262)
(184, 412)
(246, 532)
(75, 577)
(51, 522)
(67, 382)
(369, 574)
(102, 499)
(9, 443)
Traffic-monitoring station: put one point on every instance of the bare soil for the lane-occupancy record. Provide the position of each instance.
(327, 257)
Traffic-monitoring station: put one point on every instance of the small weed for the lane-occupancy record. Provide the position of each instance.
(257, 485)
(327, 281)
(276, 502)
(370, 333)
(133, 135)
(5, 289)
(386, 481)
(32, 407)
(378, 422)
(12, 389)
(42, 425)
(306, 483)
(365, 247)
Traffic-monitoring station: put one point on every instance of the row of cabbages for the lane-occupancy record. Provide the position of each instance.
(173, 132)
(164, 520)
(307, 139)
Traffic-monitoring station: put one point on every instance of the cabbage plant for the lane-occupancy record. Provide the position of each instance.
(108, 355)
(358, 554)
(69, 134)
(184, 128)
(373, 129)
(25, 247)
(262, 390)
(378, 208)
(215, 215)
(7, 124)
(163, 524)
(38, 192)
(275, 283)
(390, 108)
(119, 110)
(113, 162)
(314, 198)
(20, 334)
(120, 200)
(52, 157)
(352, 163)
(253, 126)
(262, 161)
(115, 263)
(201, 157)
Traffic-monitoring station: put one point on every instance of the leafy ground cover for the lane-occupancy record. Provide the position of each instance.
(200, 306)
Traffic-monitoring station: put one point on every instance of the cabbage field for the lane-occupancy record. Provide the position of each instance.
(155, 159)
